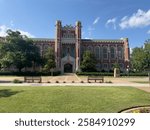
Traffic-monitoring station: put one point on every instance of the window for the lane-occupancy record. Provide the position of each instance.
(97, 52)
(112, 52)
(105, 55)
(98, 66)
(120, 52)
(89, 48)
(105, 66)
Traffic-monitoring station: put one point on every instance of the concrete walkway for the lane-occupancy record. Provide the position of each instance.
(74, 80)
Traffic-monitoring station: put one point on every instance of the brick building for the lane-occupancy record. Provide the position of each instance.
(69, 48)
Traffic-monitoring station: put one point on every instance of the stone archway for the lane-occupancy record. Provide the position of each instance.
(68, 68)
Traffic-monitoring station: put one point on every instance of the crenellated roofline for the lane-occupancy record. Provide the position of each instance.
(104, 40)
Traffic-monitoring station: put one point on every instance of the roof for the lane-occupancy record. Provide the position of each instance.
(103, 40)
(42, 39)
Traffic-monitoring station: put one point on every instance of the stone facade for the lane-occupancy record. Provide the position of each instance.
(69, 48)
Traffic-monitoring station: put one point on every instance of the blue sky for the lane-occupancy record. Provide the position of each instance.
(101, 19)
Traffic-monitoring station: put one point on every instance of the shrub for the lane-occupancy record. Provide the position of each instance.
(28, 73)
(17, 81)
(111, 74)
(82, 81)
(108, 81)
(95, 73)
(57, 81)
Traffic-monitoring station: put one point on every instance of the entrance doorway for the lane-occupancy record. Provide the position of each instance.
(68, 68)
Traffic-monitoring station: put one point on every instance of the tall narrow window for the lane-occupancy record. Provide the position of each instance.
(97, 52)
(112, 52)
(89, 48)
(120, 52)
(105, 52)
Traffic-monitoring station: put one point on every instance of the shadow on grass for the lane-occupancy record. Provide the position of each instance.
(3, 81)
(8, 92)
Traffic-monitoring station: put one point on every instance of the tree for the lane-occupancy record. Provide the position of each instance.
(147, 53)
(140, 58)
(49, 60)
(89, 62)
(18, 51)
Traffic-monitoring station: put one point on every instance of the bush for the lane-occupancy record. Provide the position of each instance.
(57, 81)
(108, 81)
(111, 74)
(17, 81)
(28, 73)
(95, 73)
(134, 74)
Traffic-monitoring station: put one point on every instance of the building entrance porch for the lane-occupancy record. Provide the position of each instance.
(68, 68)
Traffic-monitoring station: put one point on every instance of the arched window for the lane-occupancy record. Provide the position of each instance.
(97, 52)
(89, 48)
(112, 52)
(120, 52)
(105, 52)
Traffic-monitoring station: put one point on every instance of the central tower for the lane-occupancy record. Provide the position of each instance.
(67, 47)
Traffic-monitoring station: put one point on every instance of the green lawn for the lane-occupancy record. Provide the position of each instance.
(70, 99)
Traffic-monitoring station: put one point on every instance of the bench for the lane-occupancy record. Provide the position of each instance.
(95, 78)
(32, 79)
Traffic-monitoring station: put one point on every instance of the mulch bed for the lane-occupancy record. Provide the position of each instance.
(137, 109)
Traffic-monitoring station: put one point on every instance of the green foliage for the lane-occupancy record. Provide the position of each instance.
(111, 74)
(95, 73)
(140, 58)
(17, 81)
(18, 51)
(116, 65)
(49, 60)
(89, 62)
(55, 73)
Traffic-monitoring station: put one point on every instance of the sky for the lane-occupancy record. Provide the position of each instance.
(101, 19)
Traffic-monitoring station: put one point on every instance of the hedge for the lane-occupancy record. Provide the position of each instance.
(29, 73)
(111, 74)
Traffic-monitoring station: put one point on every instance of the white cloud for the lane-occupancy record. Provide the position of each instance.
(96, 21)
(4, 28)
(139, 19)
(25, 33)
(131, 50)
(90, 29)
(148, 31)
(111, 21)
(11, 23)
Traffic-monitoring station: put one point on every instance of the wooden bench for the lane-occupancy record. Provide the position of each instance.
(32, 79)
(95, 78)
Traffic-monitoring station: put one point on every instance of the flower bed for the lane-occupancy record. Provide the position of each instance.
(138, 109)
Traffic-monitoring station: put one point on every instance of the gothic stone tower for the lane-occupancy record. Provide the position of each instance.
(67, 47)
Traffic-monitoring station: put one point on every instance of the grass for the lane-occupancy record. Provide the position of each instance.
(70, 99)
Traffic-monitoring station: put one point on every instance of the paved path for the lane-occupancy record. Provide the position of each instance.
(66, 80)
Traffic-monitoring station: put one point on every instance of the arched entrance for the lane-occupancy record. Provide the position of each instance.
(68, 68)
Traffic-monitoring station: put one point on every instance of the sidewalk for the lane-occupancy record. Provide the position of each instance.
(66, 80)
